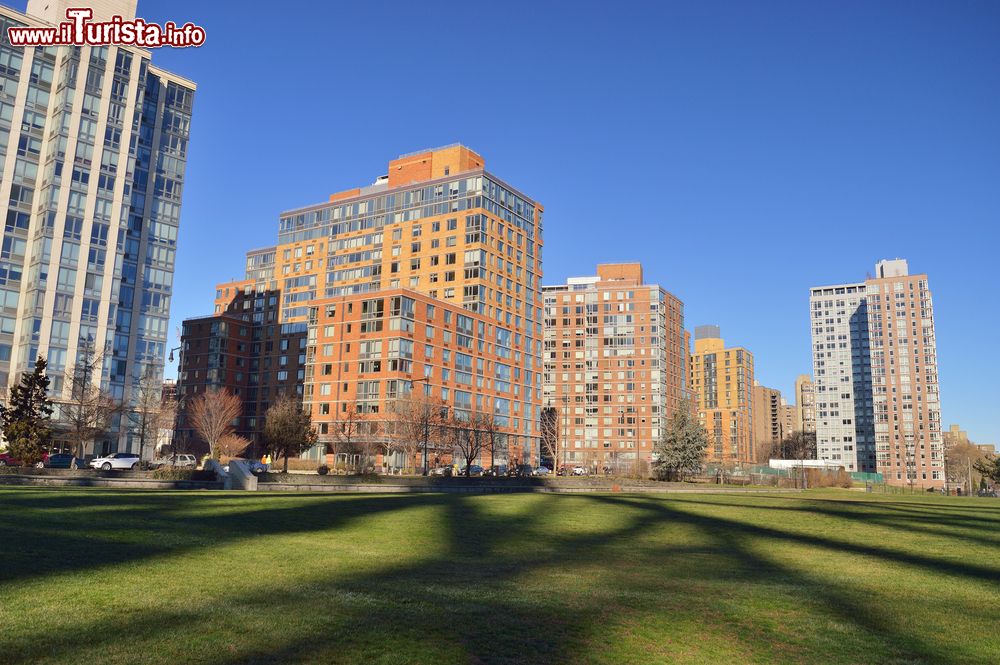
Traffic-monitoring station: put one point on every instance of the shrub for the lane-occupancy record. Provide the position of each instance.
(322, 469)
(370, 478)
(169, 473)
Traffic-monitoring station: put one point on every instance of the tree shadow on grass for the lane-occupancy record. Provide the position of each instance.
(88, 531)
(475, 600)
(976, 530)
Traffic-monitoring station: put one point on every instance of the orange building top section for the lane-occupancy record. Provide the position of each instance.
(346, 194)
(629, 272)
(433, 164)
(226, 291)
(426, 165)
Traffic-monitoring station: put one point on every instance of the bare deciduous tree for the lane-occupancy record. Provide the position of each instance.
(796, 446)
(288, 428)
(351, 434)
(961, 462)
(494, 440)
(466, 439)
(550, 435)
(415, 419)
(85, 410)
(150, 413)
(212, 415)
(233, 445)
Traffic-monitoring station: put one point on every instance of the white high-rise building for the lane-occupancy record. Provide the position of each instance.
(842, 373)
(93, 146)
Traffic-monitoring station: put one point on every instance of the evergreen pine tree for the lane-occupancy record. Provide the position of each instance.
(681, 449)
(26, 418)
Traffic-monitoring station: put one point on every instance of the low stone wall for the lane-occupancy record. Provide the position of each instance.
(499, 488)
(52, 480)
(73, 473)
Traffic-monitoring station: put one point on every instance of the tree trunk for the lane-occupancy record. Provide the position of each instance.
(286, 461)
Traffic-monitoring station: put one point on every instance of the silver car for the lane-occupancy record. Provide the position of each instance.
(182, 461)
(116, 461)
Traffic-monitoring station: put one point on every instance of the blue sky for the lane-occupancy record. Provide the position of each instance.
(710, 141)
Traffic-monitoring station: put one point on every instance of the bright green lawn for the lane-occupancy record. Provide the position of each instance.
(93, 576)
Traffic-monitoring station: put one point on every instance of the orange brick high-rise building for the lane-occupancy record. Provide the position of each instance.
(437, 232)
(722, 383)
(615, 367)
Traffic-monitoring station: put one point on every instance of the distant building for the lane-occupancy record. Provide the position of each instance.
(875, 370)
(169, 390)
(216, 354)
(954, 436)
(789, 416)
(769, 421)
(614, 360)
(722, 385)
(805, 404)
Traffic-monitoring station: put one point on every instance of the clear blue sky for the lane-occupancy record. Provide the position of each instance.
(708, 140)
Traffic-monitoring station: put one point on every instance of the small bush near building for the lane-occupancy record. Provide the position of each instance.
(169, 473)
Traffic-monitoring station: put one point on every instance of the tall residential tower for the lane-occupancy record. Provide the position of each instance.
(427, 280)
(875, 369)
(615, 366)
(722, 384)
(93, 145)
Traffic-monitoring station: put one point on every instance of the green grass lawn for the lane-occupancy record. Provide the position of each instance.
(114, 576)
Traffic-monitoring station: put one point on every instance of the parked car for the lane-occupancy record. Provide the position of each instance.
(474, 470)
(495, 471)
(445, 471)
(579, 471)
(7, 460)
(543, 471)
(522, 471)
(177, 461)
(115, 461)
(64, 461)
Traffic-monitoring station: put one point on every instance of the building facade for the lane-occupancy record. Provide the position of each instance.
(437, 224)
(721, 381)
(805, 404)
(845, 430)
(615, 367)
(906, 396)
(370, 354)
(93, 145)
(769, 419)
(954, 436)
(875, 372)
(789, 417)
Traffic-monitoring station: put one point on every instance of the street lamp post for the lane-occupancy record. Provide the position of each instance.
(177, 409)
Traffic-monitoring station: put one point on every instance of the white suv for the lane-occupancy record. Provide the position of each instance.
(116, 461)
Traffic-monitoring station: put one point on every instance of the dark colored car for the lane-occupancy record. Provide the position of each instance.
(495, 471)
(64, 461)
(522, 471)
(474, 470)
